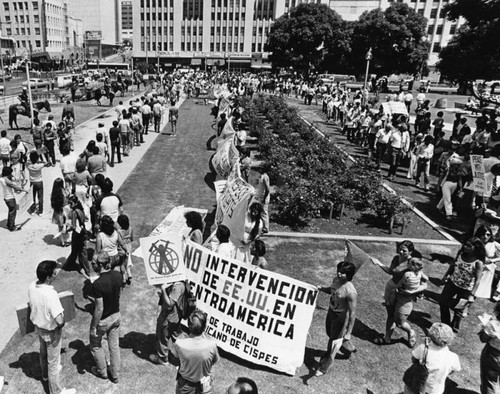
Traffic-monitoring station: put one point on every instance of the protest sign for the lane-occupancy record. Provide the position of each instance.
(232, 206)
(225, 157)
(478, 173)
(258, 315)
(162, 255)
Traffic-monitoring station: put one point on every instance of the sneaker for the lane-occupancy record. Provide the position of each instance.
(40, 214)
(154, 358)
(94, 372)
(15, 228)
(318, 373)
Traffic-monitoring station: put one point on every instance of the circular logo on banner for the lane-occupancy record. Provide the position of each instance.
(163, 260)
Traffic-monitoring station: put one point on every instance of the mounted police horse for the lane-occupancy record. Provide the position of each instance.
(121, 87)
(19, 109)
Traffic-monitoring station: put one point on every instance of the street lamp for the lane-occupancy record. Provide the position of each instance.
(368, 57)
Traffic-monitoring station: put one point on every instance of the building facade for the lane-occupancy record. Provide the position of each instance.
(126, 20)
(99, 15)
(43, 30)
(234, 32)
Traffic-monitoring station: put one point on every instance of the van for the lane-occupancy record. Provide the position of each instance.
(330, 79)
(63, 81)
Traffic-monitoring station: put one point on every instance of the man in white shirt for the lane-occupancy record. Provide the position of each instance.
(68, 168)
(146, 115)
(157, 112)
(399, 142)
(4, 148)
(47, 315)
(105, 135)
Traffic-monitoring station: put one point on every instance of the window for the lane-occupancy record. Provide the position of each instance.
(420, 11)
(253, 47)
(37, 31)
(200, 46)
(171, 30)
(430, 29)
(28, 31)
(9, 31)
(442, 13)
(171, 46)
(241, 47)
(217, 47)
(21, 18)
(223, 47)
(188, 46)
(182, 46)
(37, 18)
(6, 6)
(212, 47)
(439, 29)
(436, 48)
(453, 29)
(38, 43)
(20, 5)
(434, 13)
(212, 30)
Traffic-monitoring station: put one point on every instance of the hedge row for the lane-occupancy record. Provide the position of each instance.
(309, 171)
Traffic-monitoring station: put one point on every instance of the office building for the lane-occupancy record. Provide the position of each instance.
(99, 15)
(126, 20)
(43, 30)
(222, 32)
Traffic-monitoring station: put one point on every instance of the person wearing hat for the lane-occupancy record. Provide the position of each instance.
(24, 98)
(440, 361)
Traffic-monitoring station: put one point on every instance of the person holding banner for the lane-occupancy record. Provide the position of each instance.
(253, 229)
(195, 222)
(168, 324)
(341, 314)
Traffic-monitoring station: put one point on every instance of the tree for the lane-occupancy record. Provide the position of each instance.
(474, 52)
(396, 37)
(298, 39)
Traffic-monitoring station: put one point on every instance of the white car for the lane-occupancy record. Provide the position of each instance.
(37, 83)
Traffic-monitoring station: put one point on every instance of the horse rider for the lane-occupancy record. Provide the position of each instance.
(25, 100)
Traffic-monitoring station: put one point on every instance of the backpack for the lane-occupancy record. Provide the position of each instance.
(188, 304)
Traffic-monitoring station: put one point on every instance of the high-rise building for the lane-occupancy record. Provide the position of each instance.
(42, 29)
(126, 20)
(99, 16)
(218, 32)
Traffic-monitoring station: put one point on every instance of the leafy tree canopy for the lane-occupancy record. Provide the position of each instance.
(474, 52)
(397, 37)
(299, 39)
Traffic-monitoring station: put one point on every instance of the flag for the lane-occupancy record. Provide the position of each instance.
(355, 255)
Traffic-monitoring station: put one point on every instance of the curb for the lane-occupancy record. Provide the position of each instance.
(363, 238)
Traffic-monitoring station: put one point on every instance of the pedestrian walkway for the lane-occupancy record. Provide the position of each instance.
(22, 250)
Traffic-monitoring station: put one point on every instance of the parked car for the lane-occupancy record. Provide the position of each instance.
(37, 83)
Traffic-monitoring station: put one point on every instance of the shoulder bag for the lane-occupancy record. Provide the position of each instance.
(416, 376)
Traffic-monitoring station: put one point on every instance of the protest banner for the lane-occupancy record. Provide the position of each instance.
(232, 206)
(162, 255)
(478, 173)
(174, 222)
(258, 315)
(225, 157)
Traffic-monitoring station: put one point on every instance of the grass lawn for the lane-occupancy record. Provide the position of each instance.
(174, 171)
(373, 368)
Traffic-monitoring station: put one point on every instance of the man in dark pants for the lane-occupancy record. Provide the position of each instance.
(114, 137)
(168, 322)
(106, 318)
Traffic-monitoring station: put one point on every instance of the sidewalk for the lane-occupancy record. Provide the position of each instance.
(22, 250)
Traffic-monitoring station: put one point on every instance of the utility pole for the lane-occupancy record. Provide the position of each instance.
(29, 92)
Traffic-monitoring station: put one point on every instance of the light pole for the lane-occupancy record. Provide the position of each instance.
(368, 57)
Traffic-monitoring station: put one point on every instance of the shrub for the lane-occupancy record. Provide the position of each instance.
(386, 205)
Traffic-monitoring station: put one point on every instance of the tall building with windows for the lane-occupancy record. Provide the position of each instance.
(126, 20)
(42, 29)
(99, 15)
(234, 32)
